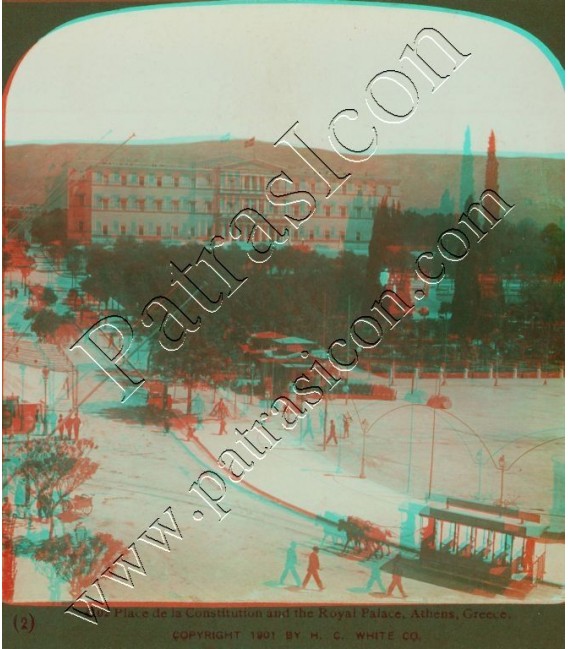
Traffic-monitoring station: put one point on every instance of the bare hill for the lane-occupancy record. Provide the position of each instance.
(35, 174)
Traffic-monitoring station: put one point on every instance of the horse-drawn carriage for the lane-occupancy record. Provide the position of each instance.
(75, 508)
(362, 537)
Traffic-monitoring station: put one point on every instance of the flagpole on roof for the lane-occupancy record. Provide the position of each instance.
(250, 143)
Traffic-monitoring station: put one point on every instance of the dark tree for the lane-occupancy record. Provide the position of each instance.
(378, 248)
(48, 227)
(198, 360)
(48, 296)
(46, 322)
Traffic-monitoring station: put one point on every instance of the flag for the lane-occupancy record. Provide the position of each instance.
(249, 142)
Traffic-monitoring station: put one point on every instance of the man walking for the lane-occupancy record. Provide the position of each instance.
(76, 425)
(69, 424)
(198, 408)
(346, 424)
(61, 426)
(313, 569)
(375, 576)
(332, 433)
(396, 581)
(290, 566)
(307, 430)
(222, 426)
(190, 432)
(220, 411)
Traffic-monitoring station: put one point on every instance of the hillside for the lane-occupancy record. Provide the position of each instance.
(34, 174)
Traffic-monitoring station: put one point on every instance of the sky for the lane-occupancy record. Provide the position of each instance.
(180, 73)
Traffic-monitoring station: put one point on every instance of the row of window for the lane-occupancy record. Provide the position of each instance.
(229, 182)
(316, 233)
(229, 206)
(322, 235)
(152, 205)
(259, 183)
(232, 205)
(251, 183)
(151, 180)
(204, 229)
(200, 229)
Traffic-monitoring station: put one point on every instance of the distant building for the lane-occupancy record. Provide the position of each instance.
(177, 203)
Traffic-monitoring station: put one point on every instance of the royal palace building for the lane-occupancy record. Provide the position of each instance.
(181, 202)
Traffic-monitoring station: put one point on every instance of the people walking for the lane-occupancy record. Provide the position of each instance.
(307, 429)
(332, 433)
(61, 426)
(396, 581)
(76, 426)
(69, 425)
(290, 565)
(313, 569)
(198, 408)
(375, 576)
(221, 411)
(190, 432)
(346, 425)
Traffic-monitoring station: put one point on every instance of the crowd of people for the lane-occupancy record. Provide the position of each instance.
(221, 412)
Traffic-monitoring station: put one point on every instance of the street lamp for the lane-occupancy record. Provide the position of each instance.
(392, 369)
(365, 427)
(45, 373)
(409, 475)
(496, 368)
(432, 452)
(252, 374)
(479, 461)
(324, 420)
(444, 318)
(502, 469)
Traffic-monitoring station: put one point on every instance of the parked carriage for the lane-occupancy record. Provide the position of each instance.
(79, 506)
(158, 396)
(19, 417)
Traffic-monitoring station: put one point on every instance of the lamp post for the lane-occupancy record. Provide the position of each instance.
(392, 368)
(409, 475)
(496, 368)
(502, 469)
(444, 318)
(324, 420)
(252, 374)
(365, 427)
(432, 452)
(45, 373)
(479, 461)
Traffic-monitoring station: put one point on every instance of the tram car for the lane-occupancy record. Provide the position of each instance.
(484, 546)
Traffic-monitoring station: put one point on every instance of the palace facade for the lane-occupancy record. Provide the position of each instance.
(176, 203)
